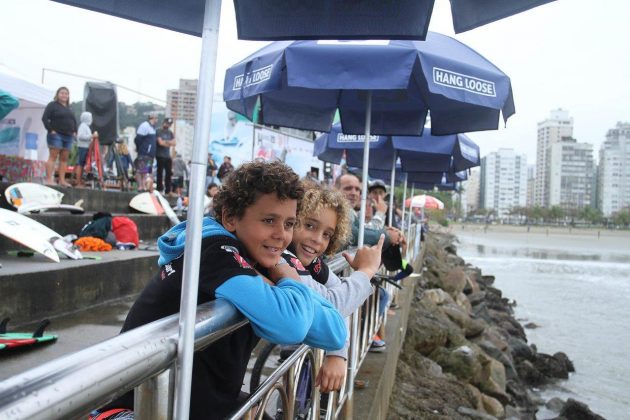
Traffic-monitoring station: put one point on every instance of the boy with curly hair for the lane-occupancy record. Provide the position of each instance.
(323, 228)
(256, 213)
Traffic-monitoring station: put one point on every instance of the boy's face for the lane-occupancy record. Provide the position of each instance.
(313, 236)
(266, 228)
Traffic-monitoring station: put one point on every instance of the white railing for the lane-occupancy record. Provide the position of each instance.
(144, 359)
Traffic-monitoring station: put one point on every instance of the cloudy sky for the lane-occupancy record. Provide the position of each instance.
(568, 54)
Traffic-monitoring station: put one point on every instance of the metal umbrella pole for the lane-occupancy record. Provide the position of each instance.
(392, 189)
(188, 303)
(402, 223)
(410, 215)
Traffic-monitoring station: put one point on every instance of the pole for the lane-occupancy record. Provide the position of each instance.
(205, 93)
(402, 223)
(392, 189)
(366, 161)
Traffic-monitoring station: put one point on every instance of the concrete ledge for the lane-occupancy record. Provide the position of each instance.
(34, 288)
(379, 369)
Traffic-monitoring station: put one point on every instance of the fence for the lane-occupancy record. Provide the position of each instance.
(144, 358)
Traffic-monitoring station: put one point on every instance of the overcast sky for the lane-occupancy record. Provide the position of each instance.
(569, 54)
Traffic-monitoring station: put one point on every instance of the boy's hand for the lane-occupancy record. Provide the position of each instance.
(283, 270)
(331, 375)
(367, 259)
(379, 204)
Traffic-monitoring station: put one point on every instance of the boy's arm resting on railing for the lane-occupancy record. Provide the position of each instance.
(288, 313)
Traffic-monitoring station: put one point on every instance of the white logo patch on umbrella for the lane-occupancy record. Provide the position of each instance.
(464, 82)
(253, 77)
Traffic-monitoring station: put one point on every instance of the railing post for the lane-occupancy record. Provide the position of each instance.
(153, 399)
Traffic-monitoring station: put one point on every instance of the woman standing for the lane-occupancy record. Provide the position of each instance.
(61, 125)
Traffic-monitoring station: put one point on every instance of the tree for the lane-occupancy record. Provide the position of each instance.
(555, 213)
(622, 218)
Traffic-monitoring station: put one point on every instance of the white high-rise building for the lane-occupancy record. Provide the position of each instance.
(550, 131)
(471, 191)
(614, 171)
(181, 103)
(571, 174)
(503, 183)
(531, 180)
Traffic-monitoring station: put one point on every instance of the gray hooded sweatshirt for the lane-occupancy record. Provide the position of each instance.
(84, 133)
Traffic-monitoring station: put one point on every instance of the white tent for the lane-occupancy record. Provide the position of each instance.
(22, 132)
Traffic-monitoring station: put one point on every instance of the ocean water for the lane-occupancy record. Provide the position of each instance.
(576, 288)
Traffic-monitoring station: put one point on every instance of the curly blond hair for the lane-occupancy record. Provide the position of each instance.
(316, 198)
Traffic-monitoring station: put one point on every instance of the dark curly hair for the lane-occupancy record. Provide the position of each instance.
(244, 186)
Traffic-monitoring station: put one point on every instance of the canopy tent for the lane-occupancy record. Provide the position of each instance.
(22, 132)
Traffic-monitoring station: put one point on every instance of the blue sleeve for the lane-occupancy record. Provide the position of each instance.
(281, 314)
(288, 313)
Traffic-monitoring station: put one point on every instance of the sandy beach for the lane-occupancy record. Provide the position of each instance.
(580, 240)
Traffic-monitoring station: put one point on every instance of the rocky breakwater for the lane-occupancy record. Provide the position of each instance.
(465, 355)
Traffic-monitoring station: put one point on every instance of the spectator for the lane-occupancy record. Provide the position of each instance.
(61, 125)
(211, 171)
(226, 168)
(180, 175)
(145, 146)
(84, 138)
(165, 140)
(211, 191)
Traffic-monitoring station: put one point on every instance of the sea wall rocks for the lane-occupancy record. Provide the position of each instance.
(465, 356)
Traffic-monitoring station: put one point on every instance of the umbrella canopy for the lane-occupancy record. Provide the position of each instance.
(282, 19)
(424, 201)
(426, 153)
(419, 177)
(301, 84)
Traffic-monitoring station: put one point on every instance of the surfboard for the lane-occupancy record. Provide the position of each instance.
(28, 197)
(31, 193)
(36, 208)
(9, 340)
(36, 236)
(168, 210)
(147, 203)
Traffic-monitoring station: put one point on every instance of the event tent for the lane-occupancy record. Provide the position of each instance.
(22, 133)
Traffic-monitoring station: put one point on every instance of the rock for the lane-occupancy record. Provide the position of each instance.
(493, 379)
(486, 280)
(531, 325)
(462, 301)
(437, 296)
(454, 281)
(519, 394)
(475, 328)
(551, 367)
(529, 374)
(492, 406)
(461, 362)
(564, 359)
(505, 359)
(456, 314)
(474, 414)
(475, 298)
(451, 249)
(520, 349)
(477, 396)
(575, 410)
(555, 404)
(471, 282)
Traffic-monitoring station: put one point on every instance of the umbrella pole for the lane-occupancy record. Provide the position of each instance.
(392, 189)
(188, 303)
(402, 223)
(354, 331)
(410, 216)
(366, 161)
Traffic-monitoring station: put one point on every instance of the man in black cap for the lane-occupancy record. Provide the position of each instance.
(165, 140)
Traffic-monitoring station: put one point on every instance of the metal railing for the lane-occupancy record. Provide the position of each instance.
(144, 358)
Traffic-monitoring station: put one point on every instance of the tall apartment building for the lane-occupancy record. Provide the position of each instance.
(531, 180)
(614, 171)
(571, 174)
(471, 191)
(503, 183)
(181, 103)
(550, 131)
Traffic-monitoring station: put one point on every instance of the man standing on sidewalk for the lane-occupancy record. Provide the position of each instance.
(165, 140)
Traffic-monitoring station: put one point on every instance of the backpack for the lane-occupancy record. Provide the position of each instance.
(125, 230)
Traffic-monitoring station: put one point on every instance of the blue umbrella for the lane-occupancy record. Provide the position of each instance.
(301, 84)
(420, 177)
(426, 153)
(283, 19)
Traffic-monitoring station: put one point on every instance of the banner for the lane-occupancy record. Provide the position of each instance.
(295, 152)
